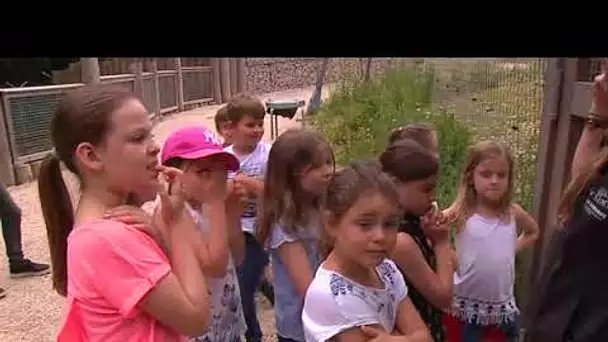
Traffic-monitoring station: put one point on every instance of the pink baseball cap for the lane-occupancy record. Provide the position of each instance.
(195, 142)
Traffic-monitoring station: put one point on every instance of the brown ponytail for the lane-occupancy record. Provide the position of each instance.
(59, 218)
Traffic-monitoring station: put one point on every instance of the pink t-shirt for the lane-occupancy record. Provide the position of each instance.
(111, 267)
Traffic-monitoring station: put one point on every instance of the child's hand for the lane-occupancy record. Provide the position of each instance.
(376, 334)
(172, 204)
(450, 214)
(243, 179)
(130, 215)
(236, 202)
(135, 217)
(434, 226)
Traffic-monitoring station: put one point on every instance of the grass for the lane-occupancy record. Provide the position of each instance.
(490, 99)
(358, 117)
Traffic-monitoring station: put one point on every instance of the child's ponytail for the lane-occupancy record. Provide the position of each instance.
(58, 216)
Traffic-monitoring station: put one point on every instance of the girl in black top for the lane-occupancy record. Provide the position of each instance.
(572, 296)
(423, 251)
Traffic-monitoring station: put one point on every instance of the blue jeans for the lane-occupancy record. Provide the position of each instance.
(472, 331)
(250, 273)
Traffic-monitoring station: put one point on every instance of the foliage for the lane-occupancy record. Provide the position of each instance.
(359, 116)
(488, 100)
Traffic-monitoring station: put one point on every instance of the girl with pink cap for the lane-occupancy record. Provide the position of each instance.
(200, 156)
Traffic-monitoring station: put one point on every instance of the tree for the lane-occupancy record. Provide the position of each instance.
(315, 99)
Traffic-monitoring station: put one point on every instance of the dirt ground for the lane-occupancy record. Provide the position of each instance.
(31, 312)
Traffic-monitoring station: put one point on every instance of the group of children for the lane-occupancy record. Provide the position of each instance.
(357, 253)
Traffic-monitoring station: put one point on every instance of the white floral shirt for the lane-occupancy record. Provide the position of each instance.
(335, 303)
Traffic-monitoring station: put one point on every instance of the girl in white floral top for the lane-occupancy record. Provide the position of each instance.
(357, 293)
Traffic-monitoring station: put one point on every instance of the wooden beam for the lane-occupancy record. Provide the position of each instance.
(234, 77)
(156, 83)
(137, 68)
(89, 72)
(241, 70)
(225, 78)
(581, 99)
(7, 171)
(217, 82)
(560, 148)
(179, 87)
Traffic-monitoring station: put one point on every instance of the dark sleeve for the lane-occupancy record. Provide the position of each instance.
(586, 229)
(572, 273)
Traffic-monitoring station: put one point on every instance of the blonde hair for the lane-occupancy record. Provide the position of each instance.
(476, 154)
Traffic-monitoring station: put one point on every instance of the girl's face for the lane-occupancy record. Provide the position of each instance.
(127, 160)
(491, 178)
(201, 174)
(417, 197)
(367, 233)
(314, 179)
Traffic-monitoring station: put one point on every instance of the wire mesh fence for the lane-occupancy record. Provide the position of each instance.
(499, 99)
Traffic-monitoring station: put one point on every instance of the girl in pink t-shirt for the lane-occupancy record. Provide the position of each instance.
(121, 285)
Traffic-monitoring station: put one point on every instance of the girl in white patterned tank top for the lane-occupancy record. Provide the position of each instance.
(487, 241)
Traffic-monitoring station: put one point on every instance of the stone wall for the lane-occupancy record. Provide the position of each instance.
(266, 75)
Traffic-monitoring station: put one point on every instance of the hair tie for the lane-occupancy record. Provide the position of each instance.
(53, 153)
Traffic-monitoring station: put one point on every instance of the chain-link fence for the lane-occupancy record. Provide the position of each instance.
(499, 99)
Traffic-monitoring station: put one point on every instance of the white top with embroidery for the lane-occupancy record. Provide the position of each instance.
(228, 322)
(335, 303)
(253, 165)
(483, 285)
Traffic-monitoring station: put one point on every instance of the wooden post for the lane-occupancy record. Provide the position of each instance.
(234, 79)
(137, 68)
(217, 82)
(560, 131)
(7, 171)
(89, 70)
(241, 71)
(156, 82)
(179, 87)
(225, 78)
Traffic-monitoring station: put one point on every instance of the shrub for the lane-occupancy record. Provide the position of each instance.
(358, 117)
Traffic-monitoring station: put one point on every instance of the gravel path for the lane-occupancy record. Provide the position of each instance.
(31, 312)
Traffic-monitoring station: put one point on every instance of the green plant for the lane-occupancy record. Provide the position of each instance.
(359, 116)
